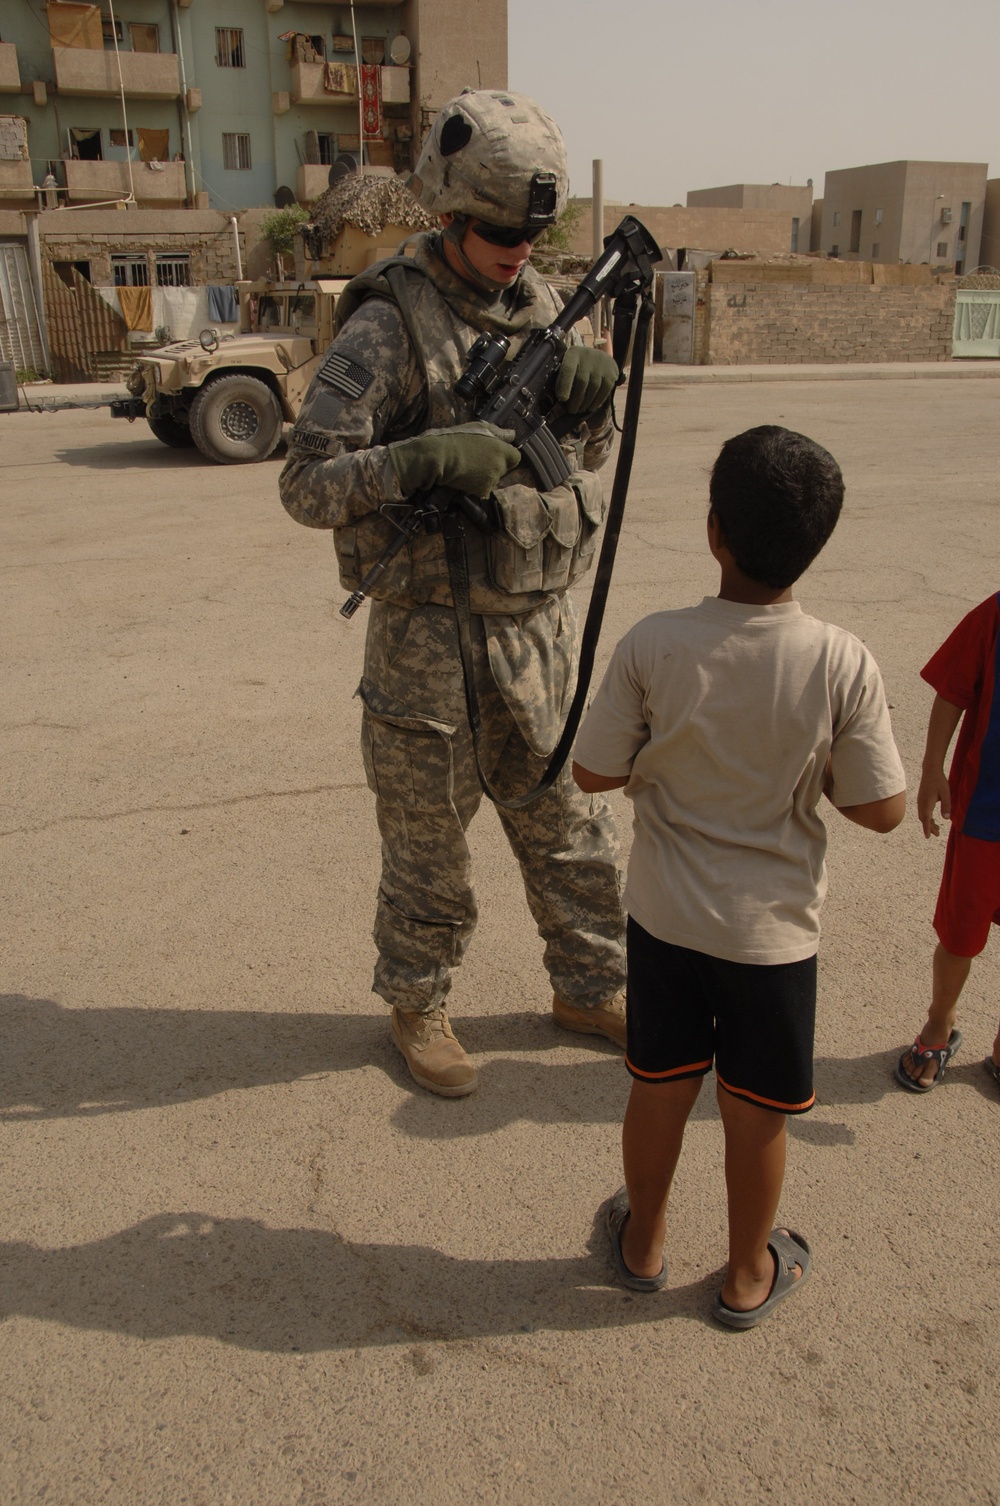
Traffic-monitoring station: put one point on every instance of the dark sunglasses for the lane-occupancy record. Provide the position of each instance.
(499, 235)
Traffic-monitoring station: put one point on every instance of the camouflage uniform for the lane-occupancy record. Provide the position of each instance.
(371, 390)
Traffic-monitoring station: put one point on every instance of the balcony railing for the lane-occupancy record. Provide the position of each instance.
(10, 77)
(145, 75)
(93, 182)
(309, 84)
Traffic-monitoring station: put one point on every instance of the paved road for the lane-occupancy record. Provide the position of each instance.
(240, 1261)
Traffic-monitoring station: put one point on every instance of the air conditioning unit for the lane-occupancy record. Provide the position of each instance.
(946, 216)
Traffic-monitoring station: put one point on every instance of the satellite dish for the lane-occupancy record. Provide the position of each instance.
(283, 197)
(345, 165)
(399, 50)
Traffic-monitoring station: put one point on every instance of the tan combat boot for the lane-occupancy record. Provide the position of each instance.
(434, 1057)
(607, 1019)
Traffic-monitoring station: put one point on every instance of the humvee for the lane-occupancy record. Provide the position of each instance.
(232, 394)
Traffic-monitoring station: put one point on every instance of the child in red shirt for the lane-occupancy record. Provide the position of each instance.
(964, 674)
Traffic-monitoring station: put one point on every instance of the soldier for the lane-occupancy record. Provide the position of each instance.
(382, 424)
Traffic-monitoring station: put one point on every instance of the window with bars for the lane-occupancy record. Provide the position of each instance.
(129, 270)
(229, 49)
(942, 248)
(236, 150)
(173, 269)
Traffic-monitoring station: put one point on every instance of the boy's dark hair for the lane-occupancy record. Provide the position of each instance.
(777, 496)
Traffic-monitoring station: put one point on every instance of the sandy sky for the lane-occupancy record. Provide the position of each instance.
(674, 97)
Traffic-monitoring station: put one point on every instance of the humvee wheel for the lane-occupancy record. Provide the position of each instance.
(236, 420)
(170, 431)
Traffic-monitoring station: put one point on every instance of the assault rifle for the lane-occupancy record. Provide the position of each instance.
(518, 394)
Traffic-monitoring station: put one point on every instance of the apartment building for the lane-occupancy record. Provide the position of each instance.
(791, 199)
(225, 104)
(906, 212)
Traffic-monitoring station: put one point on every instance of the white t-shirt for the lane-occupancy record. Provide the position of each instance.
(724, 716)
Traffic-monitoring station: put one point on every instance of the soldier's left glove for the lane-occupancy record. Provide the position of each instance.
(586, 379)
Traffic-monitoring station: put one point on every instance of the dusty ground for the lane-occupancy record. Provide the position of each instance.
(240, 1261)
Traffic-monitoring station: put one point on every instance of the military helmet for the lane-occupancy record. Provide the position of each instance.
(495, 156)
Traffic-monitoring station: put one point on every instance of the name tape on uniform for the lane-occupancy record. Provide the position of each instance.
(308, 439)
(345, 375)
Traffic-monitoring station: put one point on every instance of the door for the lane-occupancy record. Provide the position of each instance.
(20, 336)
(976, 330)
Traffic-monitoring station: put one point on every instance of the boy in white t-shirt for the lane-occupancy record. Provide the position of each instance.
(725, 723)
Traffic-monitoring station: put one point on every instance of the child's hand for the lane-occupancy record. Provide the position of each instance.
(934, 790)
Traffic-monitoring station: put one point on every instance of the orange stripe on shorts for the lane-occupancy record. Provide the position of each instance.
(771, 1103)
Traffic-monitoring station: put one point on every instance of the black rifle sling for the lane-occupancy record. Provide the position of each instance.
(453, 528)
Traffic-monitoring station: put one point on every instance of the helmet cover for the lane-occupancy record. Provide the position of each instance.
(495, 156)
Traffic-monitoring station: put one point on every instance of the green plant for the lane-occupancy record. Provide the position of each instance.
(559, 237)
(279, 228)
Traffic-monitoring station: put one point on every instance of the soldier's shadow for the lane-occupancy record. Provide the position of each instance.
(112, 455)
(308, 1290)
(57, 1062)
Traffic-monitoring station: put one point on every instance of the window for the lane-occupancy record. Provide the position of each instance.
(836, 218)
(229, 49)
(875, 246)
(855, 230)
(958, 268)
(878, 216)
(87, 144)
(963, 221)
(144, 38)
(795, 233)
(119, 137)
(327, 147)
(373, 49)
(942, 248)
(130, 270)
(236, 150)
(112, 31)
(173, 269)
(64, 270)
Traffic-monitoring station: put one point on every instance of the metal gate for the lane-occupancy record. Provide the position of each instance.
(977, 314)
(20, 336)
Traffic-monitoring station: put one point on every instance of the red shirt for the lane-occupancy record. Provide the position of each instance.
(963, 671)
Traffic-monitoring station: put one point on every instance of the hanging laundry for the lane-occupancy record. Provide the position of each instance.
(137, 307)
(222, 304)
(371, 99)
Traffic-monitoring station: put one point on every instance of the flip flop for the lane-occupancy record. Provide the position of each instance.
(789, 1250)
(615, 1216)
(992, 1069)
(921, 1053)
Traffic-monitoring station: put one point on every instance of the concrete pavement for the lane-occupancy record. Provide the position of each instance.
(242, 1260)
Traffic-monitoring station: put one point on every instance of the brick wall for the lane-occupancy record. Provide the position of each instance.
(756, 320)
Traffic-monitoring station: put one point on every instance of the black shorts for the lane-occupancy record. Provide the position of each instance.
(686, 1008)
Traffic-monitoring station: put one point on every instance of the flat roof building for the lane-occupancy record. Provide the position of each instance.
(905, 212)
(221, 105)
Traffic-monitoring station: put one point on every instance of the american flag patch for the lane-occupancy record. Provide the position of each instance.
(345, 375)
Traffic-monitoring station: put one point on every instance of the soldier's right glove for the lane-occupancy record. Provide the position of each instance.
(586, 379)
(469, 458)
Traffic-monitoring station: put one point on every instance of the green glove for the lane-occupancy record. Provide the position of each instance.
(469, 458)
(587, 378)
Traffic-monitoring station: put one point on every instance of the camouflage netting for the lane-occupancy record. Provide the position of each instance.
(369, 202)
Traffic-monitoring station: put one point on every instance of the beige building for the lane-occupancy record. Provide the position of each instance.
(989, 249)
(906, 212)
(788, 198)
(762, 232)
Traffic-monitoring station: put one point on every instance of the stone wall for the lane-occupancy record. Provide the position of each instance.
(754, 319)
(94, 235)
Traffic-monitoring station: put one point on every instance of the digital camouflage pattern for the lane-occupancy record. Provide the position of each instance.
(504, 140)
(417, 744)
(419, 762)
